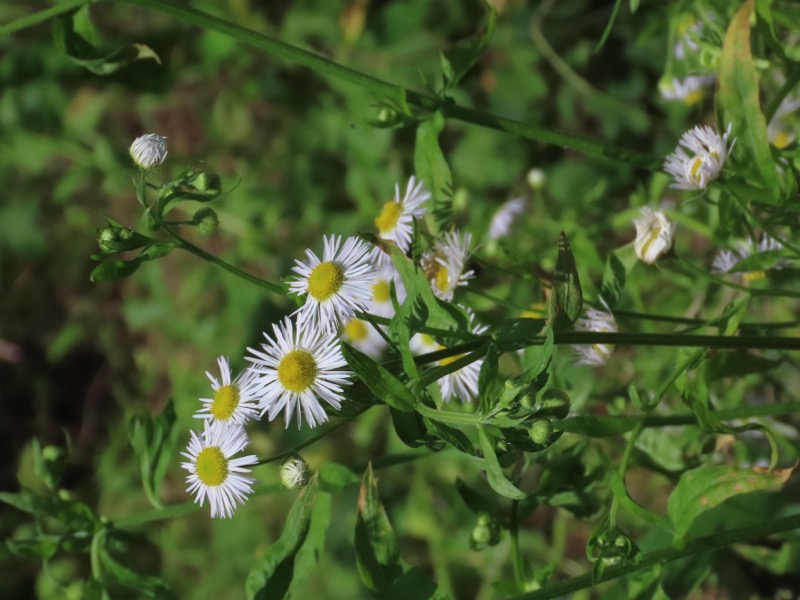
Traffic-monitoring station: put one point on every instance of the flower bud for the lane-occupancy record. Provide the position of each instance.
(209, 183)
(485, 533)
(654, 235)
(555, 404)
(294, 473)
(540, 431)
(149, 150)
(206, 220)
(536, 179)
(112, 239)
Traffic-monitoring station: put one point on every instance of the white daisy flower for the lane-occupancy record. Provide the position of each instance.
(654, 235)
(337, 286)
(396, 219)
(689, 90)
(299, 367)
(505, 216)
(444, 264)
(381, 304)
(726, 260)
(708, 153)
(363, 336)
(464, 382)
(233, 401)
(600, 321)
(149, 150)
(213, 472)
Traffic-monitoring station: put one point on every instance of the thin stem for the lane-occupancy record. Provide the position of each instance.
(623, 467)
(382, 88)
(516, 557)
(42, 15)
(328, 430)
(791, 81)
(689, 341)
(197, 251)
(688, 268)
(692, 546)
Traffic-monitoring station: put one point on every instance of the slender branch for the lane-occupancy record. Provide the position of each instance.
(752, 342)
(383, 88)
(328, 430)
(692, 546)
(42, 16)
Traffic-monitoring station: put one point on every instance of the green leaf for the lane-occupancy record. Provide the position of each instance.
(314, 546)
(494, 472)
(381, 382)
(333, 477)
(738, 103)
(73, 514)
(76, 37)
(617, 485)
(271, 576)
(762, 261)
(460, 57)
(538, 359)
(566, 300)
(477, 501)
(382, 569)
(452, 436)
(148, 586)
(708, 486)
(153, 441)
(738, 363)
(515, 334)
(618, 264)
(113, 270)
(431, 166)
(410, 427)
(41, 548)
(488, 387)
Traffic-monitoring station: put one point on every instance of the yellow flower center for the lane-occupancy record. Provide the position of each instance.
(694, 168)
(225, 401)
(380, 291)
(389, 216)
(782, 139)
(212, 466)
(694, 97)
(356, 330)
(442, 278)
(450, 359)
(297, 370)
(754, 275)
(325, 280)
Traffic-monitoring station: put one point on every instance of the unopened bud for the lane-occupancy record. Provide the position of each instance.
(149, 150)
(485, 533)
(555, 404)
(206, 220)
(540, 431)
(294, 473)
(536, 179)
(210, 183)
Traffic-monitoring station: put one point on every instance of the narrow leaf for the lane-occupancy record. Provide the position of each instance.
(460, 57)
(431, 167)
(381, 382)
(566, 300)
(494, 472)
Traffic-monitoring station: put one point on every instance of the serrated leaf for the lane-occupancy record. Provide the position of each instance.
(738, 103)
(382, 383)
(76, 37)
(494, 472)
(566, 299)
(431, 167)
(708, 486)
(272, 574)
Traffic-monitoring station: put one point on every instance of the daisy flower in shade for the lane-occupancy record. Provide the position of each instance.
(779, 131)
(726, 260)
(703, 164)
(337, 286)
(689, 90)
(444, 264)
(654, 235)
(233, 401)
(464, 382)
(149, 150)
(689, 30)
(505, 216)
(213, 472)
(422, 343)
(600, 321)
(363, 336)
(396, 219)
(299, 368)
(381, 304)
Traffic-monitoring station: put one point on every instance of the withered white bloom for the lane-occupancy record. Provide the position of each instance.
(337, 286)
(654, 235)
(149, 150)
(294, 473)
(702, 164)
(213, 472)
(689, 90)
(726, 260)
(363, 336)
(598, 321)
(234, 401)
(396, 219)
(505, 216)
(444, 264)
(298, 367)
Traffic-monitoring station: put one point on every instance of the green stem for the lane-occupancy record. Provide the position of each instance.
(791, 81)
(42, 15)
(513, 530)
(687, 268)
(728, 342)
(197, 251)
(382, 88)
(623, 467)
(715, 541)
(312, 440)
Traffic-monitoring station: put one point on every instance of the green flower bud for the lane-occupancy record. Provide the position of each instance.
(206, 220)
(555, 404)
(112, 239)
(540, 431)
(485, 533)
(210, 183)
(294, 473)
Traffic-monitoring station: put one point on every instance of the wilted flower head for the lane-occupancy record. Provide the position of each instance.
(505, 216)
(149, 150)
(726, 260)
(444, 264)
(598, 321)
(708, 151)
(689, 90)
(294, 473)
(654, 235)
